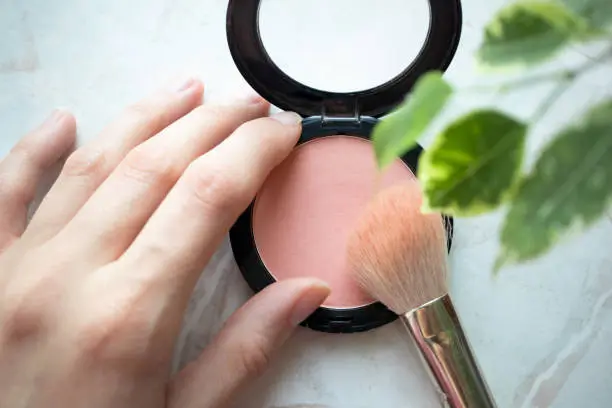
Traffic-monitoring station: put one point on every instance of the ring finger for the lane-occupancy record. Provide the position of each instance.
(122, 205)
(90, 165)
(187, 227)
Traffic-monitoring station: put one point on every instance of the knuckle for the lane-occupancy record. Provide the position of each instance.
(147, 114)
(114, 335)
(22, 320)
(26, 311)
(216, 189)
(270, 139)
(96, 333)
(151, 166)
(265, 128)
(85, 163)
(16, 180)
(119, 327)
(14, 189)
(24, 148)
(254, 357)
(212, 116)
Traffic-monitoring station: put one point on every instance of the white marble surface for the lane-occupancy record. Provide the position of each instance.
(542, 331)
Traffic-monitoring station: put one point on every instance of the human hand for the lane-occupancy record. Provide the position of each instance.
(93, 289)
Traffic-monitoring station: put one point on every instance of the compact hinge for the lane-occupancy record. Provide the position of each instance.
(328, 119)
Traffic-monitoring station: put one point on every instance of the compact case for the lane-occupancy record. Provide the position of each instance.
(330, 114)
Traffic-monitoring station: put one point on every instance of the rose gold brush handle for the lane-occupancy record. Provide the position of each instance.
(445, 349)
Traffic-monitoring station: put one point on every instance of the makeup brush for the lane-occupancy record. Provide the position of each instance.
(399, 256)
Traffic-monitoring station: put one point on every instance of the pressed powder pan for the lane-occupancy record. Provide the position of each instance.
(299, 222)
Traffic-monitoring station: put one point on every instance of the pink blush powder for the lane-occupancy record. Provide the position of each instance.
(307, 206)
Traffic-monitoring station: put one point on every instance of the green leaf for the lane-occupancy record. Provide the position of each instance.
(526, 33)
(570, 186)
(473, 164)
(397, 133)
(597, 12)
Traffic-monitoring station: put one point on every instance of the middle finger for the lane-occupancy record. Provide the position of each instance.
(124, 202)
(188, 226)
(90, 165)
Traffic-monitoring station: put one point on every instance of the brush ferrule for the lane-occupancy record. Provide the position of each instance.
(444, 347)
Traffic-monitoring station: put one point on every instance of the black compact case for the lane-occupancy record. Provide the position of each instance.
(330, 114)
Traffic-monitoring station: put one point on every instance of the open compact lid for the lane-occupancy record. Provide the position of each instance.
(267, 79)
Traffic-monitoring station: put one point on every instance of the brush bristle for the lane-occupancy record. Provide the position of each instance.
(397, 253)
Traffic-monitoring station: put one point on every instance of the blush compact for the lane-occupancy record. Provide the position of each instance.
(299, 222)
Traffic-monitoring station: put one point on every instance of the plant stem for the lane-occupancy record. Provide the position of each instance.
(562, 75)
(604, 56)
(566, 81)
(520, 83)
(550, 100)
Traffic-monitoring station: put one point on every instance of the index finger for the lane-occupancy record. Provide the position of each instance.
(188, 226)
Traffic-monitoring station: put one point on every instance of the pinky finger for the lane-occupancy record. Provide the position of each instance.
(22, 169)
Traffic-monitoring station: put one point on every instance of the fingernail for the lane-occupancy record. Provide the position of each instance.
(56, 116)
(313, 297)
(185, 85)
(287, 118)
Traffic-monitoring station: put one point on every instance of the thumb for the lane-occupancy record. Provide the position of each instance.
(245, 345)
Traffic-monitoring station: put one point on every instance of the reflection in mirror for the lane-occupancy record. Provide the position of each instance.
(356, 48)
